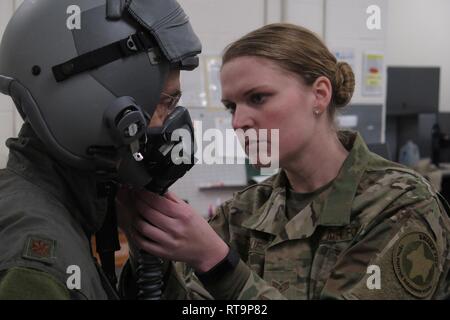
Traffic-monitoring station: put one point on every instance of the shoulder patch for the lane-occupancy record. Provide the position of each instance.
(416, 262)
(40, 249)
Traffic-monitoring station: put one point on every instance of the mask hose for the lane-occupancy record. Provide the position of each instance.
(151, 269)
(150, 277)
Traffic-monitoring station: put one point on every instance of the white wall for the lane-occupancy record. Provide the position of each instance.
(346, 28)
(418, 34)
(219, 22)
(307, 13)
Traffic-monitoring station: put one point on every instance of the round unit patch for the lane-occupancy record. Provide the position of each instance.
(416, 262)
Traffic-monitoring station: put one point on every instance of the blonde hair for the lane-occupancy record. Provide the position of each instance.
(299, 51)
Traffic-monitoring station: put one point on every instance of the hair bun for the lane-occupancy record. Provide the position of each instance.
(344, 84)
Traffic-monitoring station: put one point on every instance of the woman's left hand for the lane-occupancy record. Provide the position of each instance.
(168, 227)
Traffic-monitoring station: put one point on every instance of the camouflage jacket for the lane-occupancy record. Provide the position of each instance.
(378, 232)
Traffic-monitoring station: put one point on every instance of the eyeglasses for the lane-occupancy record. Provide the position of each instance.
(172, 102)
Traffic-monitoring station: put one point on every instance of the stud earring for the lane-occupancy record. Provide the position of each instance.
(316, 112)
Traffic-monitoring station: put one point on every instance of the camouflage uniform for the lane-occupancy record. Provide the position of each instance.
(377, 218)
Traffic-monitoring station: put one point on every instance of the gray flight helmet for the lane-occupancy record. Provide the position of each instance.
(63, 78)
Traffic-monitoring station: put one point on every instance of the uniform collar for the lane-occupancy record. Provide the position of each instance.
(336, 203)
(331, 208)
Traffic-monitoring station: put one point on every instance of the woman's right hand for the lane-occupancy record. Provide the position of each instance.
(167, 227)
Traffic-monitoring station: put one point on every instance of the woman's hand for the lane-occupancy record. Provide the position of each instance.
(168, 227)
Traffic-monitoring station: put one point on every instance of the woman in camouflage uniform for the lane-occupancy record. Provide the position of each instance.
(337, 222)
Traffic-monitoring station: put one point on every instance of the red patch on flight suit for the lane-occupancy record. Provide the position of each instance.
(40, 249)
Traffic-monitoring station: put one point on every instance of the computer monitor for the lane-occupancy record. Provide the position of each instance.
(365, 118)
(412, 90)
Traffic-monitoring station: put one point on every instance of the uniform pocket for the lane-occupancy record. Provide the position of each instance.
(257, 255)
(325, 259)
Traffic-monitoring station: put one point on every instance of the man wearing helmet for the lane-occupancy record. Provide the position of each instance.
(95, 102)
